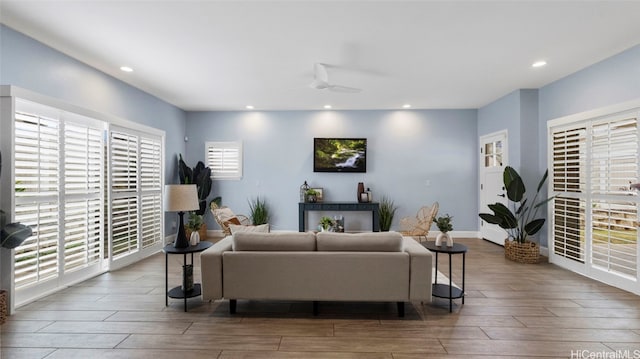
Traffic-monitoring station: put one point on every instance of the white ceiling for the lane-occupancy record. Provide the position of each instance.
(223, 55)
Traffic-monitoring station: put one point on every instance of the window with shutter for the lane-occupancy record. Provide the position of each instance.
(62, 182)
(595, 212)
(136, 191)
(224, 159)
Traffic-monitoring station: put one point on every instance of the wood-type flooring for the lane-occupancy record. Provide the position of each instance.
(511, 310)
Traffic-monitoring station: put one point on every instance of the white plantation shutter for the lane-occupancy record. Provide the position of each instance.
(151, 187)
(595, 212)
(224, 159)
(81, 188)
(568, 180)
(58, 169)
(136, 191)
(83, 204)
(37, 175)
(614, 166)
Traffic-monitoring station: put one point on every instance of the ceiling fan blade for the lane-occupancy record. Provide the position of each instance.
(318, 85)
(344, 89)
(320, 72)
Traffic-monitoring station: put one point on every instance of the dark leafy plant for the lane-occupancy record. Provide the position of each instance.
(259, 212)
(387, 212)
(520, 220)
(201, 177)
(195, 221)
(444, 223)
(13, 234)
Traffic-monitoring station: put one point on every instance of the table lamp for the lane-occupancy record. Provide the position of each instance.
(180, 198)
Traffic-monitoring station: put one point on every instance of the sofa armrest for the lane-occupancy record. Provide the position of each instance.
(211, 269)
(420, 272)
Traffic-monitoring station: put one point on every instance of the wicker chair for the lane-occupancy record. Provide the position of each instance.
(419, 226)
(225, 216)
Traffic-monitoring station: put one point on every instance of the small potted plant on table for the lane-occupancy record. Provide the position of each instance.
(326, 224)
(445, 226)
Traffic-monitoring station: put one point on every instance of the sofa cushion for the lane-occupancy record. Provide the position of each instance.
(280, 241)
(359, 242)
(235, 228)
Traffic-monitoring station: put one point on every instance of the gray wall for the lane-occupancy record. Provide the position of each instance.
(414, 157)
(29, 64)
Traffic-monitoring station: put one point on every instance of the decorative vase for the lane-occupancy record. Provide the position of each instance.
(444, 238)
(311, 198)
(195, 238)
(360, 191)
(527, 252)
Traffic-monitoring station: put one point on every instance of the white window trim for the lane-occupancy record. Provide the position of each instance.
(225, 145)
(588, 118)
(8, 96)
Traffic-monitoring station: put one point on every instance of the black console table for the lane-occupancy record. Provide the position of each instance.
(372, 207)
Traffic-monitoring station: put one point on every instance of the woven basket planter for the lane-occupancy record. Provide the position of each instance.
(527, 252)
(3, 306)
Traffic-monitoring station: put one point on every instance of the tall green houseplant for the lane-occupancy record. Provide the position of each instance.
(201, 177)
(518, 218)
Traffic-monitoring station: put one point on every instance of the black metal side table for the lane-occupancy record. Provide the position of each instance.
(178, 292)
(442, 290)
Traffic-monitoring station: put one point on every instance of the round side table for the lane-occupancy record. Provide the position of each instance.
(178, 291)
(442, 290)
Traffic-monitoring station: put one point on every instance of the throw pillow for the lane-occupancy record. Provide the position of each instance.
(237, 228)
(232, 221)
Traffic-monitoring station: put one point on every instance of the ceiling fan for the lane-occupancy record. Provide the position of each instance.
(321, 81)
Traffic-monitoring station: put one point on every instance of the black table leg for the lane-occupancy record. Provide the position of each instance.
(166, 279)
(450, 287)
(184, 280)
(464, 255)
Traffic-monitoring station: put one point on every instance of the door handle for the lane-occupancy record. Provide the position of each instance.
(501, 195)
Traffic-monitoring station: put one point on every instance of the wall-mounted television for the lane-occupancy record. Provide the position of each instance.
(339, 155)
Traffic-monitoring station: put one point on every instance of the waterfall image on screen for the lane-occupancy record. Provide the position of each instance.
(340, 155)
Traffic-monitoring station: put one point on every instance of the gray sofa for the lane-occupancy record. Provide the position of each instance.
(378, 266)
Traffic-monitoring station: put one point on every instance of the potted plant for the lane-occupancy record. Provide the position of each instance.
(518, 218)
(193, 227)
(445, 226)
(326, 223)
(311, 195)
(201, 177)
(259, 212)
(387, 212)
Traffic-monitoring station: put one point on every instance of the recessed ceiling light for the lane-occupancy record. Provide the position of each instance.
(328, 107)
(539, 63)
(249, 107)
(406, 105)
(126, 69)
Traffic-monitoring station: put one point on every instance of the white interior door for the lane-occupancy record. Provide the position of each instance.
(493, 159)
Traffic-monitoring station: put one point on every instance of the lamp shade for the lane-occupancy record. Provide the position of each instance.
(180, 198)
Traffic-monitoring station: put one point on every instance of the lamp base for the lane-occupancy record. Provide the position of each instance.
(181, 238)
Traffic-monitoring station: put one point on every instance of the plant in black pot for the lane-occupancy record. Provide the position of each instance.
(387, 212)
(518, 218)
(201, 177)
